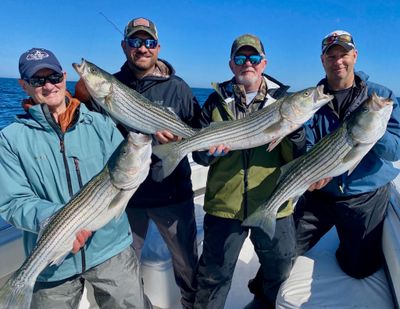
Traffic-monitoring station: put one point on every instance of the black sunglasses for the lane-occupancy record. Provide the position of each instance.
(241, 59)
(40, 81)
(138, 42)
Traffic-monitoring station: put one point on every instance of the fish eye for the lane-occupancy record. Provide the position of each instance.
(306, 93)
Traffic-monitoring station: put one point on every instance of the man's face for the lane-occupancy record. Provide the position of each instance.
(339, 64)
(141, 58)
(247, 74)
(50, 94)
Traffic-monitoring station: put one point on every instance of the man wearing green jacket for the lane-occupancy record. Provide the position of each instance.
(239, 181)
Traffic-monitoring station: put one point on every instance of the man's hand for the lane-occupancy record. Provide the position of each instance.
(81, 237)
(218, 151)
(166, 136)
(319, 184)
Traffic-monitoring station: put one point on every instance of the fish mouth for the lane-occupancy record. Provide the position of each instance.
(79, 67)
(320, 95)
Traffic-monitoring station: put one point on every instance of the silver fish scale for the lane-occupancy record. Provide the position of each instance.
(324, 157)
(94, 196)
(229, 132)
(137, 112)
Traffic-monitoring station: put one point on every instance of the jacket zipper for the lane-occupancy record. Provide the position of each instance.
(246, 182)
(62, 149)
(69, 182)
(78, 174)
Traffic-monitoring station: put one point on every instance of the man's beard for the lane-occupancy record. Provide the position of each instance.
(247, 80)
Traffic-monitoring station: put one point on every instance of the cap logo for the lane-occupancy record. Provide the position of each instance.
(141, 22)
(37, 55)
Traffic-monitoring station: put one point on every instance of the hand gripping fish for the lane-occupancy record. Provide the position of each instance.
(268, 125)
(128, 106)
(103, 198)
(333, 155)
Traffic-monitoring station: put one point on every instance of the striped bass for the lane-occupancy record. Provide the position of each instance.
(128, 106)
(270, 124)
(103, 198)
(333, 155)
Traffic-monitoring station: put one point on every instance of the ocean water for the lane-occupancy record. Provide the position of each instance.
(11, 96)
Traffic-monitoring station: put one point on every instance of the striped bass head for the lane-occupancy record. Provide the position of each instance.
(97, 81)
(369, 122)
(130, 163)
(300, 106)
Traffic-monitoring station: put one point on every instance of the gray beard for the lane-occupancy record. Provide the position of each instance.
(247, 81)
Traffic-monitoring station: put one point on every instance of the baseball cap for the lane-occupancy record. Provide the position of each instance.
(247, 40)
(35, 59)
(141, 24)
(338, 37)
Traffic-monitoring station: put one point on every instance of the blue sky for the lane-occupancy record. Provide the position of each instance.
(196, 36)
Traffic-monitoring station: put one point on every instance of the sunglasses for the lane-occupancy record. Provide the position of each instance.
(345, 38)
(138, 42)
(241, 59)
(39, 81)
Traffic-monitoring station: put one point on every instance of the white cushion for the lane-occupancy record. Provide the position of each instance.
(317, 281)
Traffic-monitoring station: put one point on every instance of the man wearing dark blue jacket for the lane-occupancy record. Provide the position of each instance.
(356, 204)
(168, 203)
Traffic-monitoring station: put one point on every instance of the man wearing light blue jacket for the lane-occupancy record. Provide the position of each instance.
(356, 204)
(46, 156)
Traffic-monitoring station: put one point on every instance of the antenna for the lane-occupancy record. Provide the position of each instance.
(113, 24)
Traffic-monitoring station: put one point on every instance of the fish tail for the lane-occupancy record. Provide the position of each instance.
(263, 219)
(170, 156)
(16, 294)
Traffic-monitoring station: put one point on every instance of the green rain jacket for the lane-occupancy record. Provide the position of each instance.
(239, 182)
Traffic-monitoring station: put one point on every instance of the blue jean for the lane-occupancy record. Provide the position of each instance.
(223, 240)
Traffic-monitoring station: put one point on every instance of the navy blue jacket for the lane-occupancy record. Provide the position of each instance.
(172, 92)
(376, 168)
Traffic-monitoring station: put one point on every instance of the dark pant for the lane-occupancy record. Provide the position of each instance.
(223, 240)
(358, 220)
(177, 226)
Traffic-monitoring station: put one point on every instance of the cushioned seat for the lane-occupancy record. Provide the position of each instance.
(316, 281)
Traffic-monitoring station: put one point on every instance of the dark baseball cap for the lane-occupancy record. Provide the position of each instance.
(141, 24)
(247, 40)
(36, 59)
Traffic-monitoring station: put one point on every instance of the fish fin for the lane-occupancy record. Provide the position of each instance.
(263, 219)
(353, 160)
(274, 143)
(119, 202)
(60, 258)
(170, 156)
(16, 293)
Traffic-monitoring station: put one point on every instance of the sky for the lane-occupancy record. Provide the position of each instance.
(196, 36)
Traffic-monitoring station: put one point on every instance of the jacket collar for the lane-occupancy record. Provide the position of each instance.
(270, 90)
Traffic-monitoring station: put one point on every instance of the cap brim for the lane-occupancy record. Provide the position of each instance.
(40, 66)
(344, 45)
(246, 45)
(145, 29)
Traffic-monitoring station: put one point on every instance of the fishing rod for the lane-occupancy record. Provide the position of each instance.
(111, 22)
